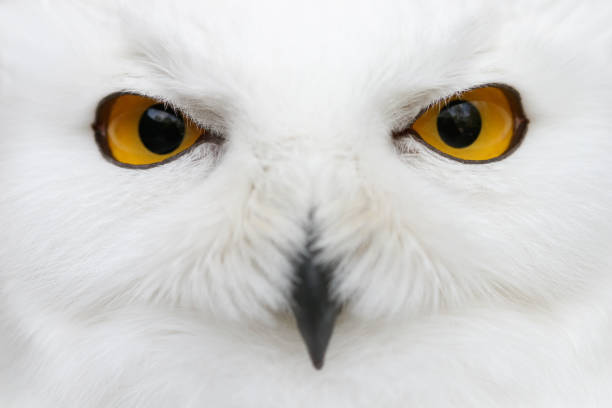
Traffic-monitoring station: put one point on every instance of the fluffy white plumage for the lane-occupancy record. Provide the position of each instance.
(463, 285)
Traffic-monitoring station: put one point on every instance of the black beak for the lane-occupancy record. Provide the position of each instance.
(313, 308)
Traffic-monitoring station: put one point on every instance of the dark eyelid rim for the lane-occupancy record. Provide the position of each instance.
(103, 110)
(519, 131)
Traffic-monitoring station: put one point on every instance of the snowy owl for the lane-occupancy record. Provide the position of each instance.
(396, 203)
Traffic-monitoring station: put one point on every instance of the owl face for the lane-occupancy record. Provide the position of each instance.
(304, 192)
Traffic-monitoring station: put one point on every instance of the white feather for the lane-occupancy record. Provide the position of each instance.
(464, 285)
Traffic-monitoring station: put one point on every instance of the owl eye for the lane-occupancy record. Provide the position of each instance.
(479, 125)
(139, 131)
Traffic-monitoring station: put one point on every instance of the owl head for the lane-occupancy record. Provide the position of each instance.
(340, 162)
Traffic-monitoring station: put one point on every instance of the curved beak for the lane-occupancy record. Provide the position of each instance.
(314, 309)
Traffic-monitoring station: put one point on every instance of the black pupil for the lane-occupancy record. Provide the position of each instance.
(459, 124)
(161, 129)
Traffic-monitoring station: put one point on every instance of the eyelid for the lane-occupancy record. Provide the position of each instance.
(519, 125)
(100, 127)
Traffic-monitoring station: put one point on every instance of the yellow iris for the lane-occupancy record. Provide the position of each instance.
(478, 125)
(137, 130)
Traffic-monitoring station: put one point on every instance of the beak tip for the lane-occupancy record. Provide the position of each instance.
(316, 335)
(316, 351)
